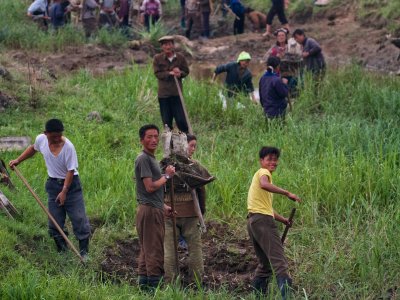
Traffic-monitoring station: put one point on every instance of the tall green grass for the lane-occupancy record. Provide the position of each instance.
(339, 153)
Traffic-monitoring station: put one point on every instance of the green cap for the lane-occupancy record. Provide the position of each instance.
(244, 56)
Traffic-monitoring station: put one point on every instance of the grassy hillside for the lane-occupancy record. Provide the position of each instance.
(339, 153)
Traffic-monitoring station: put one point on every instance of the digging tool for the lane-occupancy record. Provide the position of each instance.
(8, 207)
(5, 176)
(285, 232)
(203, 227)
(183, 105)
(172, 196)
(48, 214)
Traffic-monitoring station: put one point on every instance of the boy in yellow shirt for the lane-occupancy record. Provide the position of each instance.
(262, 228)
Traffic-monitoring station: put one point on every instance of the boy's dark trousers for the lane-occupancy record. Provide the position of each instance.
(267, 244)
(74, 206)
(238, 25)
(170, 108)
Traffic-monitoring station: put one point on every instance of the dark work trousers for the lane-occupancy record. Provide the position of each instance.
(74, 206)
(277, 8)
(238, 25)
(267, 244)
(205, 22)
(170, 108)
(151, 231)
(150, 19)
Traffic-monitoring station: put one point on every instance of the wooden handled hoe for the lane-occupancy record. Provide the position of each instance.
(48, 214)
(285, 232)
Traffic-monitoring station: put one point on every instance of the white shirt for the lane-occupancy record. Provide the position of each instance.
(38, 5)
(57, 166)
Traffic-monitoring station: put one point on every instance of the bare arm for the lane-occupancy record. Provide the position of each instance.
(67, 183)
(280, 218)
(152, 186)
(29, 152)
(266, 185)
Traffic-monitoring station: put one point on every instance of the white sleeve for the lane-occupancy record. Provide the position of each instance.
(71, 159)
(39, 143)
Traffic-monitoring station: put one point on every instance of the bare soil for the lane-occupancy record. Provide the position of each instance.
(229, 259)
(344, 40)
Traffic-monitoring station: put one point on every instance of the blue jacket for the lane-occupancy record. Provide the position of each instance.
(237, 7)
(233, 81)
(273, 93)
(57, 15)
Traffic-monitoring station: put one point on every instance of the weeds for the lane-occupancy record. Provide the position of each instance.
(339, 153)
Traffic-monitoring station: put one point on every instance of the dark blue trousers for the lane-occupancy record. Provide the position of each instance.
(74, 206)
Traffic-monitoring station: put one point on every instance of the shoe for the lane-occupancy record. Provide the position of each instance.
(61, 244)
(84, 247)
(143, 283)
(260, 285)
(154, 281)
(284, 285)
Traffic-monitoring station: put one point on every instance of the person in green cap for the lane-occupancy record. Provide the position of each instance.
(238, 76)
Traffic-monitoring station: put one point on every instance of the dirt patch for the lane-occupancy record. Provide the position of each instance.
(229, 259)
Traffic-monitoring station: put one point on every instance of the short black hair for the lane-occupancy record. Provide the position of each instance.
(298, 32)
(54, 125)
(266, 150)
(143, 129)
(273, 61)
(191, 137)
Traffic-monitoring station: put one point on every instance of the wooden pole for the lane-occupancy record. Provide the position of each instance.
(183, 105)
(48, 214)
(172, 199)
(288, 226)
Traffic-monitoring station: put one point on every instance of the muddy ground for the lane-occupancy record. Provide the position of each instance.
(343, 39)
(229, 259)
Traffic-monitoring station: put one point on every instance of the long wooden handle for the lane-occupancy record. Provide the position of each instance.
(172, 196)
(288, 226)
(183, 105)
(196, 203)
(48, 214)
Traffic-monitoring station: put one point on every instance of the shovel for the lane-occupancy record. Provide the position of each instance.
(48, 214)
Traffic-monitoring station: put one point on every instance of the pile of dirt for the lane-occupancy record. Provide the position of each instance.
(229, 260)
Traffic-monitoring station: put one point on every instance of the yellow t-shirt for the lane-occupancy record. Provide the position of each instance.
(259, 200)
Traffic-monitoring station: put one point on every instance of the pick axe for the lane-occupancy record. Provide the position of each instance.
(48, 214)
(285, 232)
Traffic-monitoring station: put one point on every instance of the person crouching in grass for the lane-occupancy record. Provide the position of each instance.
(262, 228)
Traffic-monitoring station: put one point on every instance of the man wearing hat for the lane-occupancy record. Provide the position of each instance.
(167, 65)
(63, 185)
(238, 76)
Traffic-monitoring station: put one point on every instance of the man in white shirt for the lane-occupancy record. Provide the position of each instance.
(38, 11)
(63, 185)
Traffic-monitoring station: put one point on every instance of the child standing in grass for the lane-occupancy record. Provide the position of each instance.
(262, 228)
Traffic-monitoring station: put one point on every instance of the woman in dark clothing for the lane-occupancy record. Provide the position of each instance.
(273, 90)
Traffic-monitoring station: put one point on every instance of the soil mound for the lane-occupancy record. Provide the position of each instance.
(229, 260)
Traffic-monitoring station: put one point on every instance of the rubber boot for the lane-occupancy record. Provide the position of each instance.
(260, 285)
(153, 282)
(61, 244)
(143, 283)
(284, 285)
(84, 248)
